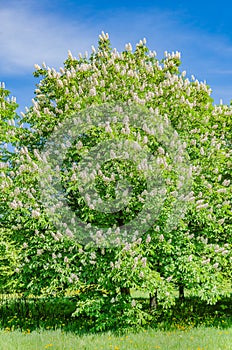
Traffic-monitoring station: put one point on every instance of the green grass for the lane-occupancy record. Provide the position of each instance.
(194, 339)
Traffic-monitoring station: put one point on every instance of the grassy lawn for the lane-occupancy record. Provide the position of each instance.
(194, 339)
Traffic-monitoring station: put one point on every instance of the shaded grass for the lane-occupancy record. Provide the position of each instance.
(56, 313)
(194, 339)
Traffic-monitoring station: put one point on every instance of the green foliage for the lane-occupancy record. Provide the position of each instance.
(18, 312)
(8, 260)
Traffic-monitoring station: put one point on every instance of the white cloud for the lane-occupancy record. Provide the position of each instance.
(27, 38)
(221, 71)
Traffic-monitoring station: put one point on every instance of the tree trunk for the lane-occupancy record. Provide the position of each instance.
(153, 301)
(181, 292)
(125, 290)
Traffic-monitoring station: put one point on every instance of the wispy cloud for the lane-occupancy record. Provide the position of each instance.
(221, 71)
(27, 38)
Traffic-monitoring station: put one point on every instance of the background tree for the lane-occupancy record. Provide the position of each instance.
(8, 139)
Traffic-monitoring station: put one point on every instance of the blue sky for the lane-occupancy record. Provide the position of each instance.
(36, 31)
